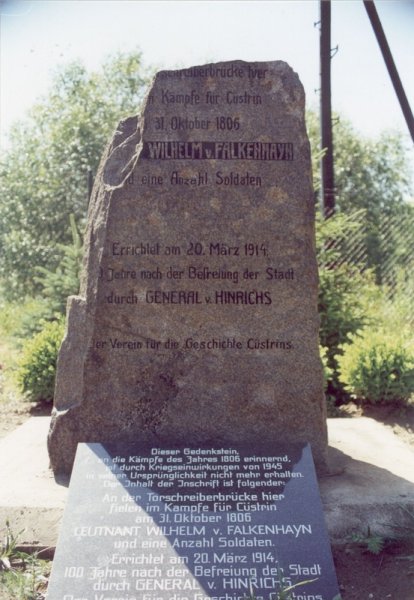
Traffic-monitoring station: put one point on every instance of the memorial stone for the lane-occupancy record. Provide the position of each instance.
(193, 523)
(197, 315)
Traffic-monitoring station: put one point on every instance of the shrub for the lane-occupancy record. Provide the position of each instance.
(327, 371)
(37, 366)
(328, 375)
(345, 294)
(378, 368)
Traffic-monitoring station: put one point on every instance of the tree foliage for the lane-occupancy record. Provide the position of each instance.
(365, 241)
(62, 282)
(44, 173)
(370, 174)
(373, 174)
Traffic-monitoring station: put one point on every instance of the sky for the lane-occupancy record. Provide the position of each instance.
(36, 36)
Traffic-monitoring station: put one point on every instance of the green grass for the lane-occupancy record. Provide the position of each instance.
(23, 576)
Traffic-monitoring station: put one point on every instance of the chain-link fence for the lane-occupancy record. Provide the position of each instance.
(386, 248)
(397, 242)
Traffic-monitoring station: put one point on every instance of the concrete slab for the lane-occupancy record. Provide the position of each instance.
(372, 477)
(30, 498)
(371, 481)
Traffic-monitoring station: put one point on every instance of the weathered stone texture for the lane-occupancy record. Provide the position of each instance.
(197, 317)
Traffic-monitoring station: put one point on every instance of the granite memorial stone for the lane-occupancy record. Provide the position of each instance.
(193, 523)
(197, 315)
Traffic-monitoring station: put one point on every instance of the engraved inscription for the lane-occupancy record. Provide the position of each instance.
(170, 523)
(176, 150)
(199, 302)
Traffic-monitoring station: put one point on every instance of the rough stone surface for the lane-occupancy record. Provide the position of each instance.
(197, 316)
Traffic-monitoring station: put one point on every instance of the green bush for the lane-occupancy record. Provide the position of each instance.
(327, 371)
(345, 294)
(328, 375)
(37, 366)
(378, 368)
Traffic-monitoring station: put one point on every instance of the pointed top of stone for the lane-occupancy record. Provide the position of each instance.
(197, 318)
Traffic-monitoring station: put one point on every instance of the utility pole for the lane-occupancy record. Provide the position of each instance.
(327, 165)
(389, 61)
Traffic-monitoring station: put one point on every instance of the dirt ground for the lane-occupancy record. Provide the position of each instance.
(388, 575)
(15, 412)
(366, 576)
(362, 575)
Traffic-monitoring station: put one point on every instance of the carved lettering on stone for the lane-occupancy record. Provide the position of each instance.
(197, 316)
